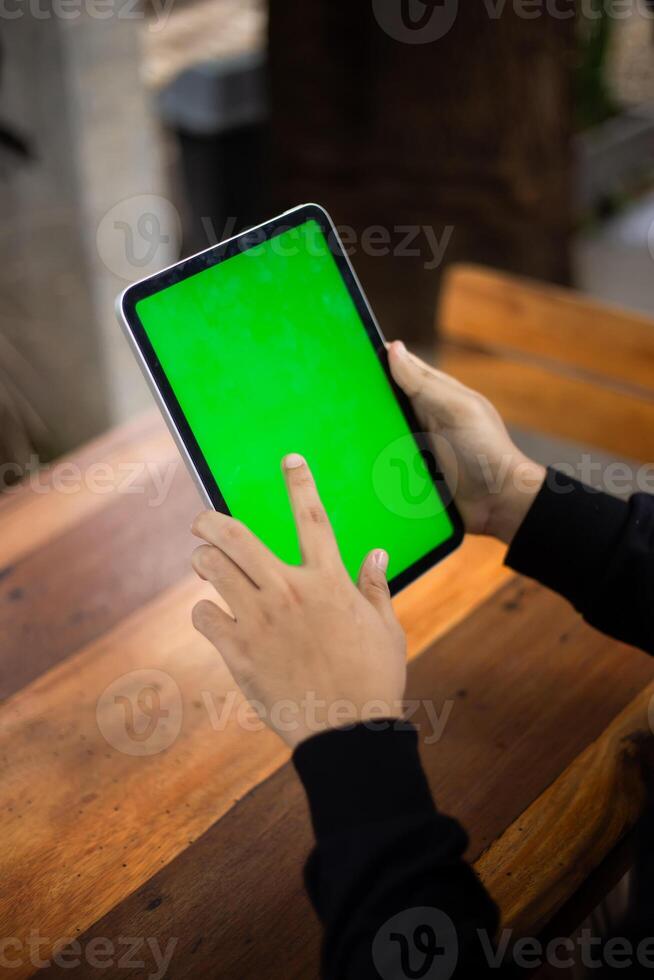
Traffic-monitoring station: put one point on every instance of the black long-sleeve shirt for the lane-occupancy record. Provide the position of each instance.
(387, 875)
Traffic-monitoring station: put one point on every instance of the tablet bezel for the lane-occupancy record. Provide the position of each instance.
(172, 410)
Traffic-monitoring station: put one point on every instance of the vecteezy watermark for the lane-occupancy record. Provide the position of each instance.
(125, 953)
(617, 477)
(156, 16)
(399, 240)
(564, 952)
(423, 943)
(403, 475)
(312, 714)
(416, 944)
(148, 477)
(139, 235)
(141, 713)
(416, 21)
(426, 21)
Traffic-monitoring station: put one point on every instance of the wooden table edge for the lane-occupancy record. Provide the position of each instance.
(535, 867)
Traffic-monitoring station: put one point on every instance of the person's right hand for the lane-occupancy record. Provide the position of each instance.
(311, 648)
(493, 482)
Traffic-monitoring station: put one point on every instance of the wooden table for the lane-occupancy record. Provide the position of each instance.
(200, 836)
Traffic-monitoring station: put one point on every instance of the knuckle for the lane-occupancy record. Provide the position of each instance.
(291, 594)
(196, 560)
(203, 615)
(475, 409)
(266, 611)
(338, 585)
(482, 403)
(235, 530)
(316, 514)
(284, 602)
(245, 673)
(378, 586)
(268, 617)
(200, 557)
(204, 522)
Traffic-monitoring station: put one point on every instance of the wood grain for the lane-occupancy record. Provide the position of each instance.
(492, 309)
(534, 397)
(116, 818)
(60, 495)
(202, 836)
(74, 586)
(603, 791)
(75, 558)
(528, 684)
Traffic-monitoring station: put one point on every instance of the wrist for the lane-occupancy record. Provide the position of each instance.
(522, 485)
(344, 715)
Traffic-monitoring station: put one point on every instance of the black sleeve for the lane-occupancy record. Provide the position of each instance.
(596, 551)
(387, 876)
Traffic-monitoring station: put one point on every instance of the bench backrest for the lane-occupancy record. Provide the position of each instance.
(550, 359)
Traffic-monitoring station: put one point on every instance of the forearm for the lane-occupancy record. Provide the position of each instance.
(596, 551)
(382, 850)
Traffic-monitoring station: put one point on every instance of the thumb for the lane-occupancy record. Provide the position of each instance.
(437, 396)
(373, 584)
(410, 373)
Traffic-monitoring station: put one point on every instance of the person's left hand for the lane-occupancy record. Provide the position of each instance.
(316, 651)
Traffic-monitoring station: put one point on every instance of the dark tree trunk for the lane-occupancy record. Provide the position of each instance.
(470, 132)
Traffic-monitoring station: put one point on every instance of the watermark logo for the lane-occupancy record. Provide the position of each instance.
(422, 944)
(141, 234)
(151, 478)
(155, 18)
(416, 21)
(401, 477)
(425, 243)
(141, 712)
(133, 953)
(138, 236)
(416, 944)
(426, 21)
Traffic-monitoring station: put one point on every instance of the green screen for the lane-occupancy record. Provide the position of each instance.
(267, 355)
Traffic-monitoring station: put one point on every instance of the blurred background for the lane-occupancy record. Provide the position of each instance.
(519, 135)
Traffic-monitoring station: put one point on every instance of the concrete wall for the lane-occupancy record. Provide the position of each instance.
(69, 232)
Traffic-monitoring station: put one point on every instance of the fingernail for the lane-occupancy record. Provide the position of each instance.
(381, 559)
(400, 348)
(292, 461)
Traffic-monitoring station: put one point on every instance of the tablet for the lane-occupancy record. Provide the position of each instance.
(265, 345)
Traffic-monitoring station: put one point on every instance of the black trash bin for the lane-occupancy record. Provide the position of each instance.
(218, 113)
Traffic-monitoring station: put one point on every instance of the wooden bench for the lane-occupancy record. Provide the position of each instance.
(552, 360)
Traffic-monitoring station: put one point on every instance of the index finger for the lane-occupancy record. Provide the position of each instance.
(317, 541)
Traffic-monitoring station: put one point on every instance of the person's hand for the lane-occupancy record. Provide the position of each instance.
(493, 482)
(304, 642)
